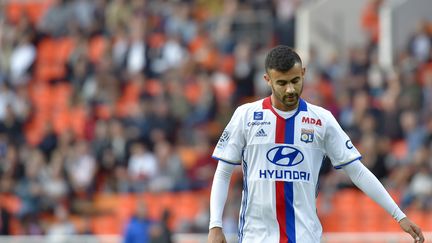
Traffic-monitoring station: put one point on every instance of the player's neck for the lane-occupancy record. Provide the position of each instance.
(285, 114)
(281, 107)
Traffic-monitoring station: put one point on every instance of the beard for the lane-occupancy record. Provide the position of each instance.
(290, 100)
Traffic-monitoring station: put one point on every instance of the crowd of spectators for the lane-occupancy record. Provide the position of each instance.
(152, 84)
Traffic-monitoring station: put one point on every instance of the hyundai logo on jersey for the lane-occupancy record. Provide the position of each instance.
(258, 115)
(285, 156)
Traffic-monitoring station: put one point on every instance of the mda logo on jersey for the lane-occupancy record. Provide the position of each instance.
(313, 121)
(285, 156)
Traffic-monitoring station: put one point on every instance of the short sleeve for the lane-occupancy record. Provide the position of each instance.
(232, 141)
(338, 145)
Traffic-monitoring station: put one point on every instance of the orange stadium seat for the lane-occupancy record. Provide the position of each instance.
(14, 10)
(97, 47)
(106, 203)
(156, 40)
(153, 87)
(192, 92)
(16, 227)
(11, 202)
(105, 225)
(77, 120)
(36, 9)
(64, 47)
(130, 96)
(187, 155)
(60, 120)
(61, 94)
(46, 51)
(46, 72)
(227, 64)
(40, 94)
(103, 111)
(399, 149)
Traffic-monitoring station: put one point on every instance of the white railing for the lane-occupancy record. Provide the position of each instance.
(378, 237)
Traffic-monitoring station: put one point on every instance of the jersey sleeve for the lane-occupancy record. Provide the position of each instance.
(338, 145)
(232, 141)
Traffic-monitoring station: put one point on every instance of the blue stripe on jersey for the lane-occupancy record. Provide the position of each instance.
(289, 130)
(289, 123)
(337, 167)
(244, 202)
(288, 186)
(290, 223)
(226, 161)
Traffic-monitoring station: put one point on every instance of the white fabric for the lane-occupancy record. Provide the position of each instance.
(285, 114)
(20, 61)
(281, 159)
(371, 186)
(219, 192)
(136, 58)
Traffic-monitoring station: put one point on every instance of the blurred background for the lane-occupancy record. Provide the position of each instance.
(110, 109)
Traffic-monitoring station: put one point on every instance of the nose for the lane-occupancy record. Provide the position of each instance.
(290, 88)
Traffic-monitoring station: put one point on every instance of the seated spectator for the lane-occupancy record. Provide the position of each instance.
(5, 218)
(171, 174)
(62, 227)
(139, 226)
(142, 167)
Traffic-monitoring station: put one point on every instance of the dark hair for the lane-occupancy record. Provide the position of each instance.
(281, 58)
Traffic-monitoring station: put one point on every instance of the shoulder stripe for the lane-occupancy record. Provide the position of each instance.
(225, 161)
(337, 167)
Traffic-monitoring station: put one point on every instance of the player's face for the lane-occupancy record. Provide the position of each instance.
(286, 87)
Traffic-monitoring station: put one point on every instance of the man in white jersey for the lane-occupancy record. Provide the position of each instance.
(280, 142)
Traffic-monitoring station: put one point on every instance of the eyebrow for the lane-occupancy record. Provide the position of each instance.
(284, 80)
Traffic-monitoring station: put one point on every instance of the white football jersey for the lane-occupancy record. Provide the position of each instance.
(281, 159)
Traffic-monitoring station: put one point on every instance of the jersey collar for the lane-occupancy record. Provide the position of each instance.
(268, 105)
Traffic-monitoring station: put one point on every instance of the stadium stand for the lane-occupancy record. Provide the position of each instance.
(125, 99)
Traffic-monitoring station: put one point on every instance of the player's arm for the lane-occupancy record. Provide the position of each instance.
(218, 196)
(363, 178)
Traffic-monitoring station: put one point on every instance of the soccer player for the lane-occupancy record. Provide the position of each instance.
(280, 142)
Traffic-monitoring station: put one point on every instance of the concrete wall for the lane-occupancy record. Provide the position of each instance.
(331, 26)
(404, 15)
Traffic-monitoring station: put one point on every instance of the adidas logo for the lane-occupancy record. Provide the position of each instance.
(261, 133)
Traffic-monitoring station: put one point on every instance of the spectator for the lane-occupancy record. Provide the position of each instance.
(139, 227)
(58, 20)
(29, 188)
(62, 227)
(419, 193)
(54, 185)
(81, 168)
(171, 176)
(142, 167)
(5, 219)
(420, 44)
(21, 60)
(160, 232)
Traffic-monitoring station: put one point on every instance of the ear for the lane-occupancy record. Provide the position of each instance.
(267, 79)
(303, 71)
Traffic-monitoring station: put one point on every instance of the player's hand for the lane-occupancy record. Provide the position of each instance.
(216, 236)
(412, 229)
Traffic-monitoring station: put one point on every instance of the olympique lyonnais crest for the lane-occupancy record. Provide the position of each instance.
(307, 135)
